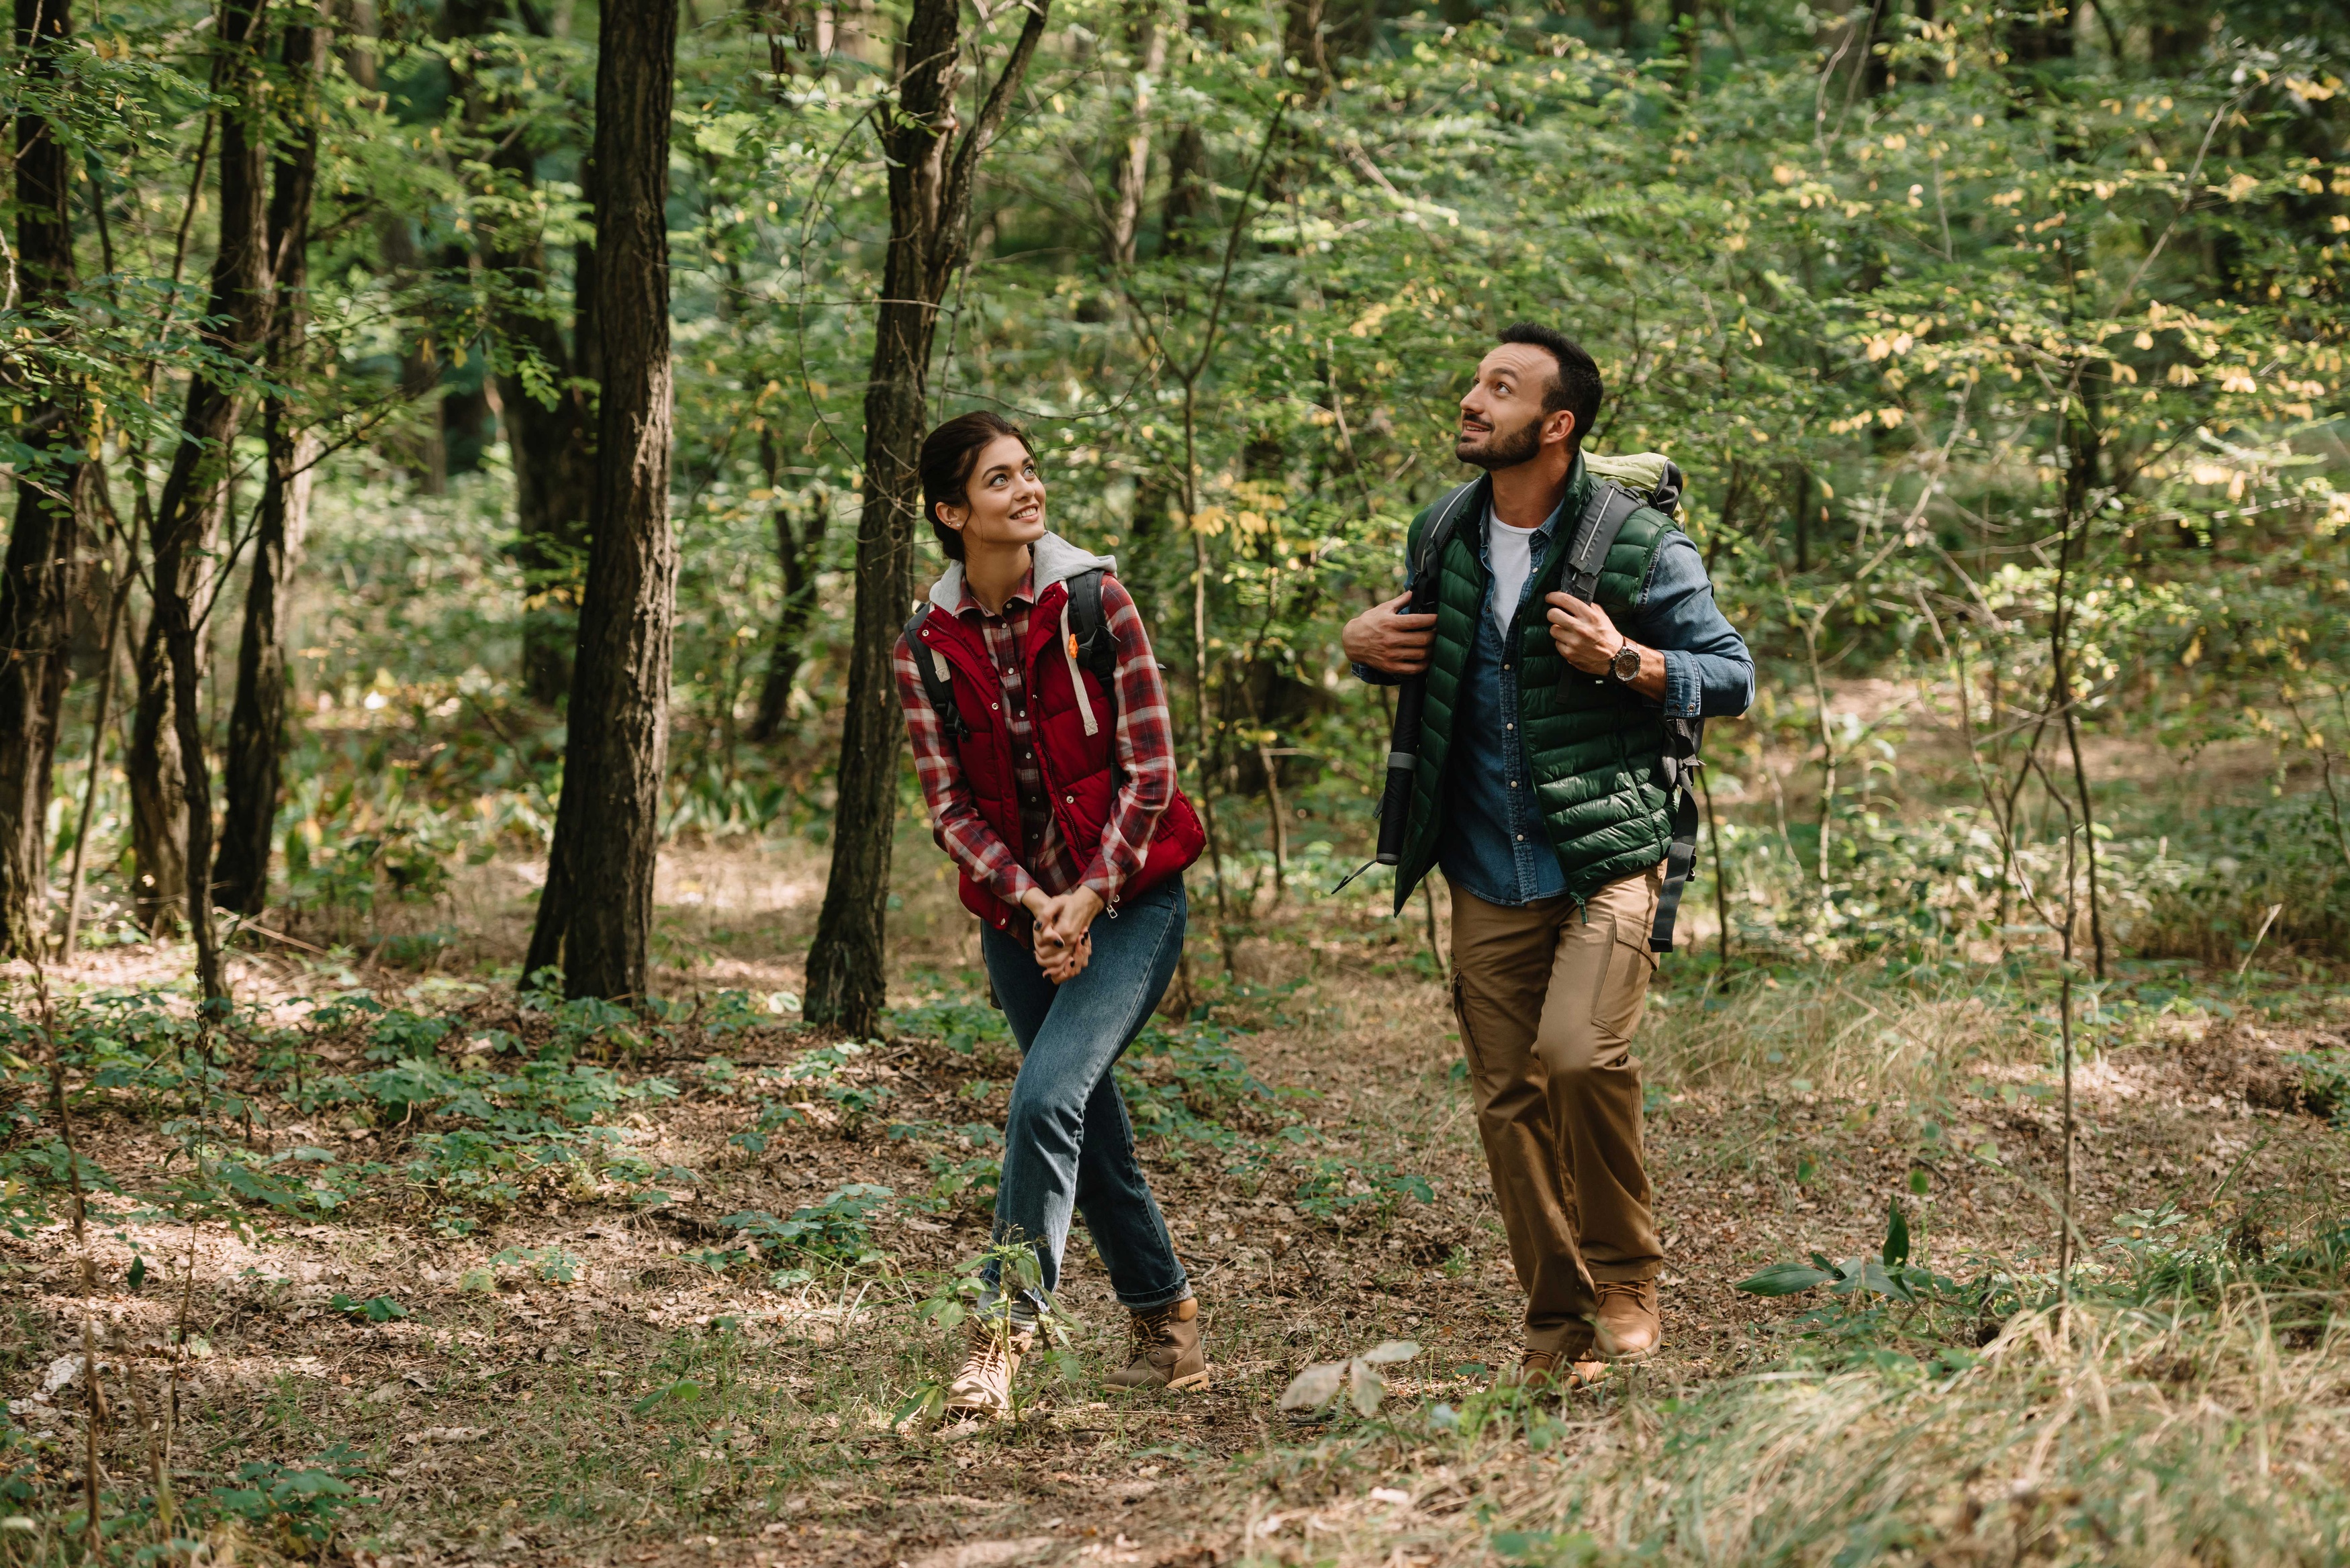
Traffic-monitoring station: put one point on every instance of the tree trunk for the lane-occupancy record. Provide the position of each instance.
(1131, 171)
(2042, 32)
(1876, 42)
(1300, 40)
(799, 553)
(553, 445)
(798, 34)
(551, 431)
(597, 908)
(1687, 36)
(158, 842)
(188, 514)
(36, 582)
(930, 214)
(420, 446)
(2177, 31)
(256, 726)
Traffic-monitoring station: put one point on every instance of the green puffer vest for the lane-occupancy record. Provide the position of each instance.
(1595, 750)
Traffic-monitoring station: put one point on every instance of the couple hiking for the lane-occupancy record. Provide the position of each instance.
(1557, 664)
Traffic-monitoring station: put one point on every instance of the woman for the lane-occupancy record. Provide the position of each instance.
(1054, 790)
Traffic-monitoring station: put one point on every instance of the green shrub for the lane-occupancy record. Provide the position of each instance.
(296, 1505)
(834, 1233)
(2214, 901)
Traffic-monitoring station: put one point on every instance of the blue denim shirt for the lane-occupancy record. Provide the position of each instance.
(1493, 844)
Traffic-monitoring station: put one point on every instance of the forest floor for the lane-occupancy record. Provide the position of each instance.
(583, 1361)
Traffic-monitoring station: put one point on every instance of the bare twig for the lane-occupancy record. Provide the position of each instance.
(2066, 1248)
(159, 1474)
(180, 1350)
(1189, 375)
(2317, 743)
(2262, 935)
(1720, 872)
(94, 1406)
(108, 659)
(45, 1010)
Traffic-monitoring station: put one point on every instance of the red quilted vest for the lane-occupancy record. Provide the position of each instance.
(1080, 769)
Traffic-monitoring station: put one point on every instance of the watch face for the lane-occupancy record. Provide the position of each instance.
(1627, 663)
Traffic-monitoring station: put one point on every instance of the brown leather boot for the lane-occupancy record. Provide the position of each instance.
(1536, 1369)
(1169, 1351)
(1551, 1368)
(1627, 1327)
(981, 1391)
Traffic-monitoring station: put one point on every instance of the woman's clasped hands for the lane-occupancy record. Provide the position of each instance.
(1064, 944)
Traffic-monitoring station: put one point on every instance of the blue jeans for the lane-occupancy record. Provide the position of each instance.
(1067, 1143)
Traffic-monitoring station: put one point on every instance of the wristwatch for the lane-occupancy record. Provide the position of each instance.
(1626, 665)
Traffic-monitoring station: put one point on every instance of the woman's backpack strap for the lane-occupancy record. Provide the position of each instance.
(1097, 644)
(938, 681)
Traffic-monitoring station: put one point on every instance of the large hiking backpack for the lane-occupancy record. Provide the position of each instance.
(1623, 485)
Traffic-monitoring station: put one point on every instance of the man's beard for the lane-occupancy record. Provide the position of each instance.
(1501, 450)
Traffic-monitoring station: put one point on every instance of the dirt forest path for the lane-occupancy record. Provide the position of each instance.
(601, 1374)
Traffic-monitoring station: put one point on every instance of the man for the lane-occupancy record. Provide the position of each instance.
(1541, 790)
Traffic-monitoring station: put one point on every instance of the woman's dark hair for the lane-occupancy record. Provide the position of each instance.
(949, 454)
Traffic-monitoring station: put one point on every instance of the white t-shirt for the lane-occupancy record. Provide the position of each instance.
(1513, 550)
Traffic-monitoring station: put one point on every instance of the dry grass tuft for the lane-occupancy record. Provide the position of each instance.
(2108, 1433)
(1837, 1032)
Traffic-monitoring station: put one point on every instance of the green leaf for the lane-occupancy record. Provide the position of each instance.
(926, 1398)
(1784, 1280)
(1896, 1250)
(683, 1392)
(1875, 1276)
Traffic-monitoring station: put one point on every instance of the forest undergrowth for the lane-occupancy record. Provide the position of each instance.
(386, 1266)
(1997, 1096)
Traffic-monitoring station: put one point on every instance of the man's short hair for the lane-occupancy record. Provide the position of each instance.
(1576, 387)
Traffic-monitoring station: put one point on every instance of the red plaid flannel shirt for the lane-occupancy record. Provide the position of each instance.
(1146, 759)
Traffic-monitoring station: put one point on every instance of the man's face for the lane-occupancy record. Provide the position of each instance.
(1502, 419)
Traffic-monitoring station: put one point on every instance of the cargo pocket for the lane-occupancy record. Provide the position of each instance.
(1623, 994)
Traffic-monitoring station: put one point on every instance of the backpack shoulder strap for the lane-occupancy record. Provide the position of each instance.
(1602, 518)
(1097, 644)
(937, 681)
(1595, 534)
(1442, 523)
(1684, 738)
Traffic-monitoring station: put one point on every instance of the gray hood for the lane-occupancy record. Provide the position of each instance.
(1053, 559)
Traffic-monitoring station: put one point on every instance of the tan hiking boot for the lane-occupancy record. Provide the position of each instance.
(1169, 1351)
(1536, 1369)
(1550, 1369)
(981, 1391)
(1627, 1327)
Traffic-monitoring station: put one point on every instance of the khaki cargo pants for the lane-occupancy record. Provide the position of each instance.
(1548, 998)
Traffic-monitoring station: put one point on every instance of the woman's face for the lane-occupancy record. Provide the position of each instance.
(1004, 504)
